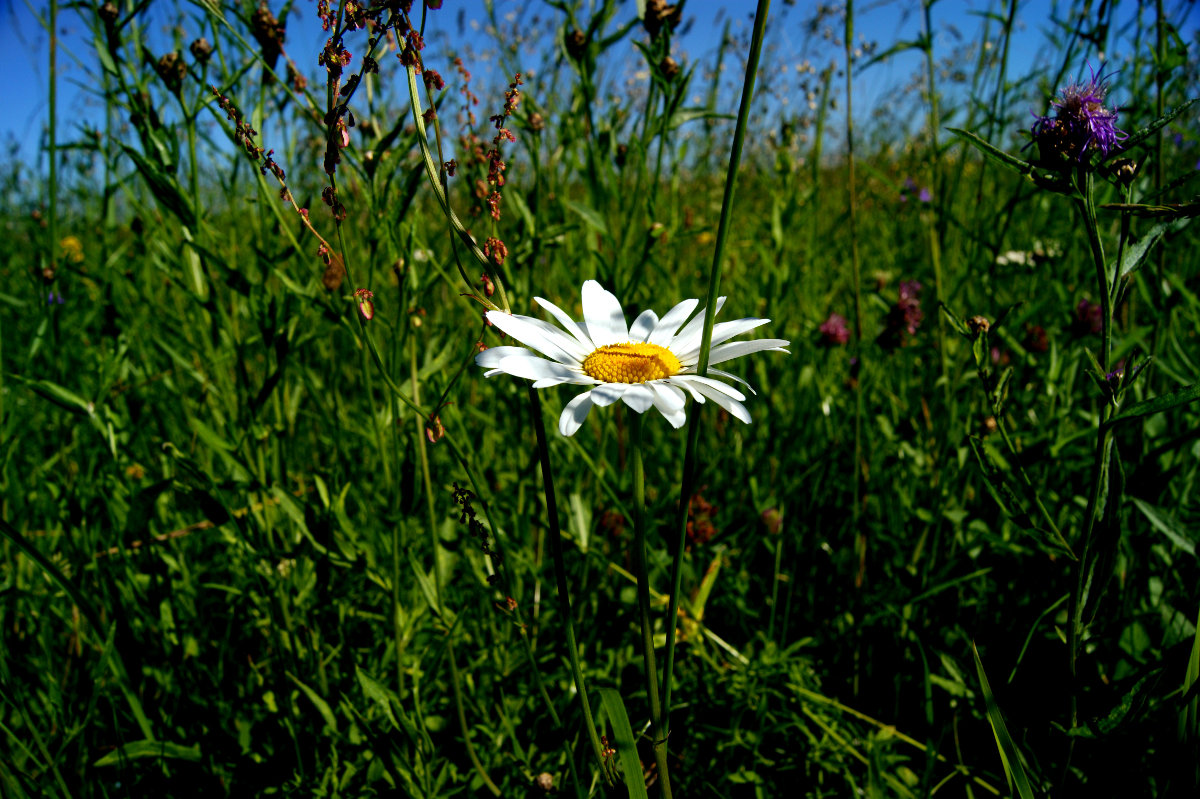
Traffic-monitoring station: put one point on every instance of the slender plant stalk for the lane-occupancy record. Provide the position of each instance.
(933, 224)
(714, 286)
(52, 145)
(860, 537)
(560, 573)
(431, 523)
(643, 595)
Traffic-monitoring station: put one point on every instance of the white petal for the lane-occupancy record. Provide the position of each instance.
(684, 381)
(535, 368)
(546, 382)
(667, 398)
(608, 393)
(603, 314)
(677, 418)
(638, 397)
(643, 326)
(492, 356)
(569, 324)
(713, 385)
(728, 376)
(574, 414)
(735, 408)
(664, 331)
(736, 349)
(688, 350)
(541, 336)
(692, 328)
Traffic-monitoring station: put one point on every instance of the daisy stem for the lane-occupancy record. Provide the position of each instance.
(643, 595)
(714, 286)
(554, 533)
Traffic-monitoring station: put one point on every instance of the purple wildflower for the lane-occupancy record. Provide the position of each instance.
(904, 317)
(1080, 123)
(834, 331)
(55, 298)
(911, 187)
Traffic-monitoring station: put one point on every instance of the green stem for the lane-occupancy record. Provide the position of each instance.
(1085, 578)
(431, 523)
(643, 595)
(52, 144)
(935, 187)
(714, 287)
(560, 573)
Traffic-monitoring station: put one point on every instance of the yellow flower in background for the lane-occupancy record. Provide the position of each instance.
(71, 248)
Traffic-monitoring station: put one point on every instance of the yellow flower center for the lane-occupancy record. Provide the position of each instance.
(635, 362)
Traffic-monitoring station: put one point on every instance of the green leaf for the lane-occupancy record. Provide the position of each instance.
(1135, 256)
(1009, 756)
(1166, 524)
(164, 187)
(626, 745)
(589, 215)
(993, 152)
(137, 750)
(321, 705)
(1148, 131)
(377, 694)
(62, 397)
(1163, 402)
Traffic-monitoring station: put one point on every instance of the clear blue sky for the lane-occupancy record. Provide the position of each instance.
(24, 45)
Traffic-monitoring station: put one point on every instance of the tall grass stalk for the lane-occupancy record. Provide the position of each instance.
(687, 479)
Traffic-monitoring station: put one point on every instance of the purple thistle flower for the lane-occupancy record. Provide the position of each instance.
(1080, 123)
(834, 331)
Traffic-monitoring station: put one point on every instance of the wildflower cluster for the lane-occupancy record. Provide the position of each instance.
(834, 331)
(904, 317)
(1079, 126)
(463, 498)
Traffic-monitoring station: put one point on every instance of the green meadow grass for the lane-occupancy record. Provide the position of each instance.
(233, 562)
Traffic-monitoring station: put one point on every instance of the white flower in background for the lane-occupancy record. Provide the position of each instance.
(649, 364)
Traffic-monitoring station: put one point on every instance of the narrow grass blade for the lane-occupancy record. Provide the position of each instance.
(137, 750)
(1189, 716)
(631, 765)
(1014, 771)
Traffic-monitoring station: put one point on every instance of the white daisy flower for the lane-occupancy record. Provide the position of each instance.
(651, 363)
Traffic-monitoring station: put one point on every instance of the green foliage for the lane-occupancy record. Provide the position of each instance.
(236, 557)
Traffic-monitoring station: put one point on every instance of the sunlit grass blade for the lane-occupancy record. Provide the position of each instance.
(1014, 770)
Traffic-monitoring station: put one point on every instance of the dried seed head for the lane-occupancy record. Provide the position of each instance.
(269, 32)
(978, 324)
(669, 68)
(658, 14)
(576, 43)
(201, 51)
(172, 70)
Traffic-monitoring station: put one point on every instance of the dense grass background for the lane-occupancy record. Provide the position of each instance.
(219, 569)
